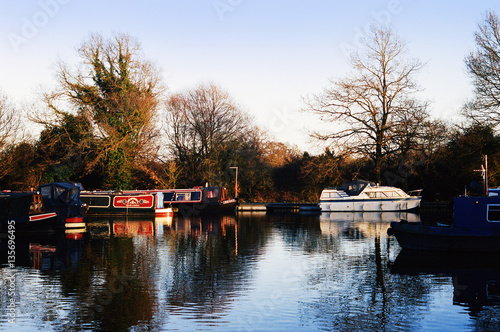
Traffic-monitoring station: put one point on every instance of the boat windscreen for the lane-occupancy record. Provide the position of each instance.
(60, 193)
(354, 188)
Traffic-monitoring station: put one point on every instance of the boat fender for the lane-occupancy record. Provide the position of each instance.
(390, 231)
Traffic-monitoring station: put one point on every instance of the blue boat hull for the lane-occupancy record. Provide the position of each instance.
(475, 228)
(416, 236)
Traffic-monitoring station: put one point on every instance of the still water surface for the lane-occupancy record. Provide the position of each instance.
(251, 272)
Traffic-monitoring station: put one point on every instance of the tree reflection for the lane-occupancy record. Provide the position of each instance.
(475, 277)
(301, 231)
(114, 282)
(210, 261)
(359, 292)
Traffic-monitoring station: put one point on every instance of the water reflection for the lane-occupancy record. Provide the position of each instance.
(245, 272)
(173, 266)
(386, 216)
(475, 279)
(45, 251)
(361, 294)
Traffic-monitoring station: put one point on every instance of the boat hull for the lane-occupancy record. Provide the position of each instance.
(188, 209)
(416, 236)
(369, 205)
(34, 222)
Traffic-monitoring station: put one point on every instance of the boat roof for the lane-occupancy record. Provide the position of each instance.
(354, 188)
(56, 194)
(65, 185)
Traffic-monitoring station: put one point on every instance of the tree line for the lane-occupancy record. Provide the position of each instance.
(110, 123)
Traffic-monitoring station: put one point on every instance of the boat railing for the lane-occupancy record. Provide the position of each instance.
(417, 192)
(37, 204)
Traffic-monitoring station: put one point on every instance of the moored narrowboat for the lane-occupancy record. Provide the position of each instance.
(199, 200)
(161, 202)
(124, 202)
(53, 205)
(475, 228)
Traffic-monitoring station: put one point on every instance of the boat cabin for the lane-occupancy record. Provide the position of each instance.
(362, 195)
(362, 189)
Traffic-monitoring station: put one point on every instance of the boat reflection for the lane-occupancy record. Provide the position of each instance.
(476, 276)
(60, 250)
(358, 225)
(369, 216)
(161, 226)
(198, 225)
(121, 226)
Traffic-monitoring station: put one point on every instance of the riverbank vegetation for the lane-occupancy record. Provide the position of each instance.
(110, 123)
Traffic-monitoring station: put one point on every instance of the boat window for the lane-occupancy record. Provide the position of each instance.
(46, 191)
(60, 192)
(213, 193)
(182, 197)
(494, 212)
(196, 196)
(65, 194)
(493, 192)
(377, 194)
(99, 201)
(330, 195)
(355, 187)
(393, 194)
(167, 197)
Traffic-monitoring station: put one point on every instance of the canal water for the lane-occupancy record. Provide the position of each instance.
(250, 272)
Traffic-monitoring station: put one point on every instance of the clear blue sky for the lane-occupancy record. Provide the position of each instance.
(267, 54)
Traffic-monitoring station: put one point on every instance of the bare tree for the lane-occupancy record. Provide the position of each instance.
(118, 93)
(369, 107)
(483, 66)
(436, 134)
(10, 133)
(205, 127)
(10, 123)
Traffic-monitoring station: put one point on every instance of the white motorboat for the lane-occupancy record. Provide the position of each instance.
(366, 196)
